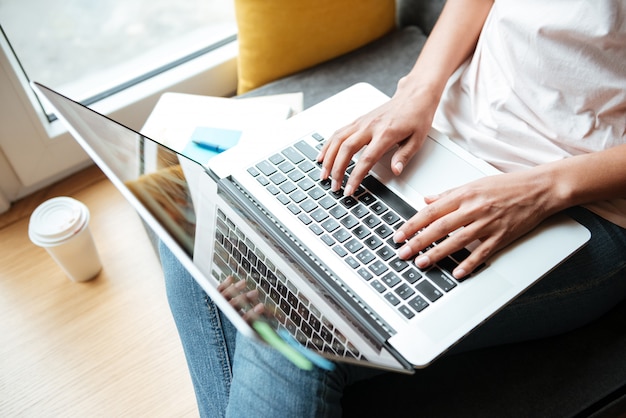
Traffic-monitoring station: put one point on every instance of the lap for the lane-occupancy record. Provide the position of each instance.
(584, 287)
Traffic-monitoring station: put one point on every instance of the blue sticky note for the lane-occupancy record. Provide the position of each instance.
(215, 139)
(205, 143)
(197, 153)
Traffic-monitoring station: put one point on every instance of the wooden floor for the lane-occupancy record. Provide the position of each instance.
(107, 347)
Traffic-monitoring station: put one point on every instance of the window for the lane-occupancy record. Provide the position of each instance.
(115, 55)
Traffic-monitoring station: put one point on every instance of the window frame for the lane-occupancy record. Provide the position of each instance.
(35, 152)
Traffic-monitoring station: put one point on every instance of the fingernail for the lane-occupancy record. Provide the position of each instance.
(399, 167)
(459, 273)
(423, 261)
(334, 185)
(404, 252)
(348, 190)
(399, 236)
(324, 173)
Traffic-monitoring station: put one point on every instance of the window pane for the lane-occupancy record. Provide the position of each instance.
(85, 47)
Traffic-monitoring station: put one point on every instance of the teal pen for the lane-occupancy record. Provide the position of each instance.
(271, 338)
(318, 360)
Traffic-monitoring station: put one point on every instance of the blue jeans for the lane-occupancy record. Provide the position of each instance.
(234, 376)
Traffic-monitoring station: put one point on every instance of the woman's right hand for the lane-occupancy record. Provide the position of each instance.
(403, 121)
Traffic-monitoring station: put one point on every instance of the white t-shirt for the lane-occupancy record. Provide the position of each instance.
(547, 81)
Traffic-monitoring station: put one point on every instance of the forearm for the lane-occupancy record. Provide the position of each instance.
(451, 42)
(586, 178)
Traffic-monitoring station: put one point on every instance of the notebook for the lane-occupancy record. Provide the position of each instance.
(273, 246)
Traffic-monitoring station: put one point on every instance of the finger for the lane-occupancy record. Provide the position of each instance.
(376, 147)
(477, 257)
(425, 217)
(423, 241)
(224, 285)
(406, 150)
(348, 148)
(330, 148)
(448, 245)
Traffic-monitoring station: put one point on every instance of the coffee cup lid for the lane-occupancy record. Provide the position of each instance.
(56, 220)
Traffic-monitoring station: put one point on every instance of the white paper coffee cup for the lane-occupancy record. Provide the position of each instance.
(61, 226)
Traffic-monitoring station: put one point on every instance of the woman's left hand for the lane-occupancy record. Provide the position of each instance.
(495, 210)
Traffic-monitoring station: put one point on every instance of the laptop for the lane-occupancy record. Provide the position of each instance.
(293, 264)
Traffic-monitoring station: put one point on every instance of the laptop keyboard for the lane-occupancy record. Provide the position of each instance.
(358, 228)
(235, 255)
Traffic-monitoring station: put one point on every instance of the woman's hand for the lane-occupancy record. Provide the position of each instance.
(243, 299)
(495, 210)
(404, 121)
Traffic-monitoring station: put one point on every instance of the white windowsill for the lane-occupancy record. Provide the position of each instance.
(57, 155)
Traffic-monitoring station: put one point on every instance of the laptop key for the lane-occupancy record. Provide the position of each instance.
(441, 279)
(286, 167)
(293, 155)
(353, 245)
(398, 264)
(352, 262)
(405, 291)
(378, 267)
(404, 310)
(391, 199)
(371, 221)
(330, 225)
(278, 178)
(317, 230)
(338, 212)
(391, 298)
(306, 166)
(383, 231)
(359, 211)
(390, 280)
(276, 159)
(340, 251)
(327, 202)
(390, 217)
(365, 256)
(378, 208)
(307, 150)
(316, 193)
(349, 201)
(385, 253)
(411, 275)
(328, 240)
(319, 215)
(380, 288)
(366, 275)
(373, 242)
(349, 221)
(360, 232)
(295, 176)
(428, 290)
(306, 184)
(418, 303)
(367, 198)
(266, 168)
(305, 219)
(341, 235)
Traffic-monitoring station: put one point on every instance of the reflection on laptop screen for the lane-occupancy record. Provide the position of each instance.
(151, 171)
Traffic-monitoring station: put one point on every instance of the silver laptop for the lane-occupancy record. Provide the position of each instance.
(273, 246)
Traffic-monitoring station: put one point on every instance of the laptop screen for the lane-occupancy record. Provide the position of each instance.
(155, 175)
(150, 171)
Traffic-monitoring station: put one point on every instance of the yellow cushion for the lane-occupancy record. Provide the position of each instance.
(281, 37)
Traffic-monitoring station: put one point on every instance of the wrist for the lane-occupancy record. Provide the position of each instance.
(562, 185)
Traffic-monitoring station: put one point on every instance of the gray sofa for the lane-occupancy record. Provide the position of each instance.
(582, 373)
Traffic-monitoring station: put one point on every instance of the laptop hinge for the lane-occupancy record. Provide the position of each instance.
(311, 267)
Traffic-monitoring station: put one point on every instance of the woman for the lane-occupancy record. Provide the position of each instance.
(538, 89)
